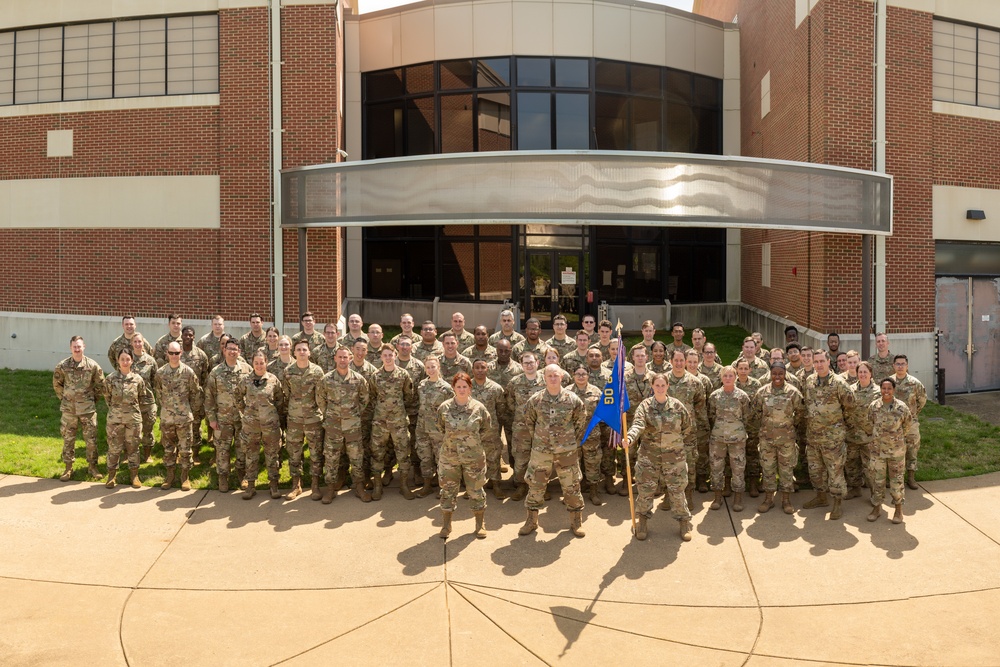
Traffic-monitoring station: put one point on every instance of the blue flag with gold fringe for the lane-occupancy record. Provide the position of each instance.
(614, 399)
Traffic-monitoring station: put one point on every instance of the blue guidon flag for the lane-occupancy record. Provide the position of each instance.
(614, 401)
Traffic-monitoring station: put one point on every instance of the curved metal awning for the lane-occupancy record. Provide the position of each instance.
(589, 188)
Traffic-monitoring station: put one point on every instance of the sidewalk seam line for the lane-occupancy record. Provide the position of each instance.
(500, 627)
(753, 587)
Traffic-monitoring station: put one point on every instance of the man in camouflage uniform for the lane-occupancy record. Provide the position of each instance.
(124, 342)
(359, 364)
(431, 393)
(603, 343)
(891, 421)
(531, 342)
(677, 333)
(253, 340)
(406, 324)
(174, 326)
(481, 348)
(883, 359)
(325, 355)
(591, 447)
(122, 392)
(415, 367)
(144, 366)
(577, 357)
(305, 421)
(308, 332)
(828, 400)
(911, 391)
(776, 412)
(691, 392)
(429, 344)
(180, 399)
(598, 375)
(210, 343)
(343, 397)
(451, 361)
(223, 412)
(698, 341)
(395, 399)
(195, 358)
(354, 331)
(502, 371)
(648, 330)
(758, 367)
(516, 394)
(506, 331)
(375, 341)
(554, 420)
(78, 381)
(262, 403)
(560, 342)
(491, 395)
(702, 429)
(728, 414)
(464, 338)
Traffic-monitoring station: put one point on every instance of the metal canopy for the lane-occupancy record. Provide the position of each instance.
(589, 188)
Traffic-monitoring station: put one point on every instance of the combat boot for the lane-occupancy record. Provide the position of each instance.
(853, 492)
(250, 491)
(361, 492)
(875, 513)
(338, 483)
(717, 502)
(272, 487)
(223, 483)
(445, 523)
(498, 491)
(753, 489)
(546, 495)
(595, 495)
(897, 516)
(377, 490)
(328, 495)
(911, 479)
(147, 451)
(530, 525)
(169, 481)
(404, 489)
(387, 477)
(520, 492)
(685, 531)
(640, 530)
(786, 503)
(576, 524)
(727, 490)
(67, 474)
(702, 483)
(737, 502)
(609, 484)
(820, 500)
(110, 484)
(688, 496)
(665, 503)
(426, 489)
(315, 493)
(185, 481)
(768, 502)
(296, 490)
(241, 474)
(836, 512)
(96, 474)
(480, 531)
(134, 474)
(623, 488)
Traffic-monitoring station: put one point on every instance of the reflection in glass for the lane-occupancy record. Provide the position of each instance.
(494, 121)
(572, 73)
(420, 126)
(456, 124)
(534, 72)
(456, 74)
(610, 75)
(493, 73)
(534, 121)
(420, 78)
(572, 121)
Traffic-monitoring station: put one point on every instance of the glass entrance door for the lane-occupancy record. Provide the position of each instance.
(554, 285)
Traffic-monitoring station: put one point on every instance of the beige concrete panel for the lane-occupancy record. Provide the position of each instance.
(950, 204)
(59, 143)
(102, 525)
(648, 31)
(30, 203)
(416, 36)
(819, 556)
(916, 631)
(192, 619)
(731, 44)
(679, 45)
(731, 95)
(352, 87)
(352, 46)
(471, 631)
(981, 13)
(709, 58)
(353, 133)
(965, 110)
(612, 31)
(164, 102)
(17, 13)
(532, 28)
(92, 200)
(380, 43)
(734, 254)
(970, 498)
(492, 29)
(573, 29)
(354, 273)
(731, 127)
(82, 628)
(453, 34)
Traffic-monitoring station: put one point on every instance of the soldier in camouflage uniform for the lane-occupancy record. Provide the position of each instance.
(429, 344)
(325, 355)
(305, 421)
(431, 393)
(415, 367)
(590, 449)
(262, 403)
(758, 367)
(859, 431)
(577, 357)
(703, 430)
(531, 342)
(728, 414)
(144, 366)
(603, 343)
(516, 395)
(560, 342)
(502, 371)
(491, 395)
(911, 391)
(828, 401)
(343, 397)
(174, 327)
(406, 324)
(451, 361)
(589, 324)
(639, 385)
(210, 343)
(891, 421)
(78, 381)
(551, 356)
(658, 361)
(598, 375)
(359, 364)
(609, 363)
(395, 399)
(506, 331)
(308, 332)
(180, 399)
(776, 411)
(194, 357)
(123, 391)
(464, 338)
(648, 330)
(677, 333)
(124, 342)
(375, 341)
(223, 412)
(253, 340)
(271, 337)
(554, 420)
(883, 359)
(691, 392)
(710, 366)
(354, 331)
(220, 357)
(664, 426)
(481, 348)
(744, 380)
(462, 424)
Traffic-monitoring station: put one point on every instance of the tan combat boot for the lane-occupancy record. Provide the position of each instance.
(911, 479)
(67, 474)
(404, 489)
(609, 484)
(786, 503)
(134, 474)
(185, 480)
(426, 489)
(530, 525)
(251, 491)
(717, 502)
(377, 490)
(480, 531)
(223, 483)
(96, 474)
(727, 490)
(315, 493)
(737, 502)
(702, 483)
(767, 503)
(853, 492)
(272, 486)
(685, 530)
(445, 523)
(754, 489)
(520, 492)
(147, 451)
(688, 496)
(595, 495)
(241, 474)
(576, 524)
(897, 516)
(640, 530)
(296, 489)
(338, 483)
(875, 513)
(387, 477)
(110, 484)
(498, 491)
(820, 500)
(329, 494)
(169, 481)
(361, 492)
(836, 512)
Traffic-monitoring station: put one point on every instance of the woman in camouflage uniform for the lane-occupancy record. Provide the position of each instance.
(859, 430)
(432, 392)
(145, 367)
(261, 402)
(123, 390)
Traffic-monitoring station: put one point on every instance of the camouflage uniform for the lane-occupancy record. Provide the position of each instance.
(659, 368)
(703, 431)
(465, 339)
(751, 386)
(828, 401)
(77, 386)
(911, 391)
(394, 399)
(846, 377)
(649, 350)
(221, 407)
(599, 378)
(671, 347)
(503, 376)
(305, 422)
(314, 339)
(123, 394)
(514, 338)
(324, 356)
(209, 344)
(859, 434)
(459, 432)
(665, 429)
(882, 366)
(609, 364)
(491, 395)
(691, 392)
(803, 373)
(348, 339)
(450, 367)
(728, 413)
(262, 403)
(343, 399)
(250, 344)
(713, 373)
(367, 371)
(145, 367)
(374, 356)
(160, 349)
(421, 350)
(472, 353)
(516, 396)
(180, 399)
(415, 368)
(775, 415)
(890, 427)
(590, 395)
(605, 349)
(554, 426)
(563, 346)
(523, 346)
(639, 388)
(573, 360)
(197, 360)
(430, 395)
(123, 343)
(759, 369)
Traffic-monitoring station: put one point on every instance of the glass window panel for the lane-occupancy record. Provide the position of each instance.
(991, 101)
(150, 35)
(458, 270)
(383, 85)
(420, 126)
(965, 57)
(612, 265)
(611, 122)
(457, 132)
(646, 233)
(400, 269)
(38, 76)
(944, 94)
(126, 52)
(534, 121)
(456, 74)
(646, 122)
(965, 96)
(494, 230)
(401, 233)
(646, 80)
(679, 128)
(646, 284)
(534, 72)
(494, 121)
(493, 73)
(572, 73)
(708, 138)
(384, 130)
(612, 232)
(458, 230)
(572, 121)
(944, 66)
(610, 75)
(495, 269)
(678, 86)
(707, 92)
(420, 78)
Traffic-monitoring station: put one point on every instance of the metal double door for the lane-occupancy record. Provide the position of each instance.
(968, 324)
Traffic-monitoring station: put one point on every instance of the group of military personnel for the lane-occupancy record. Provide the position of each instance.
(458, 407)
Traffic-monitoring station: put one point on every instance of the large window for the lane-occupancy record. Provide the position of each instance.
(966, 64)
(176, 55)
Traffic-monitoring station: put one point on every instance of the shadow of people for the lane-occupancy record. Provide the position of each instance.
(528, 552)
(422, 556)
(40, 485)
(774, 528)
(823, 533)
(892, 538)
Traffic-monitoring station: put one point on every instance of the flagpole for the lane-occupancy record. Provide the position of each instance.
(628, 466)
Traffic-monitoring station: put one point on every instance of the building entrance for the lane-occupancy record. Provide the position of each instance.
(968, 317)
(554, 285)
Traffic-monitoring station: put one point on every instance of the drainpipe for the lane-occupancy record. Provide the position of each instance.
(880, 315)
(278, 245)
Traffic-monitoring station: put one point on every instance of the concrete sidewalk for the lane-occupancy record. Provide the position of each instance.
(148, 577)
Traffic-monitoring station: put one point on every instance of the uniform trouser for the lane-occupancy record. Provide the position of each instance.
(736, 450)
(296, 437)
(703, 467)
(453, 467)
(567, 468)
(340, 444)
(666, 467)
(896, 468)
(826, 455)
(426, 453)
(253, 436)
(856, 463)
(912, 445)
(691, 454)
(199, 416)
(382, 432)
(68, 425)
(123, 437)
(507, 431)
(411, 430)
(521, 452)
(148, 419)
(227, 437)
(619, 454)
(609, 460)
(366, 441)
(753, 458)
(778, 457)
(592, 453)
(176, 439)
(492, 447)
